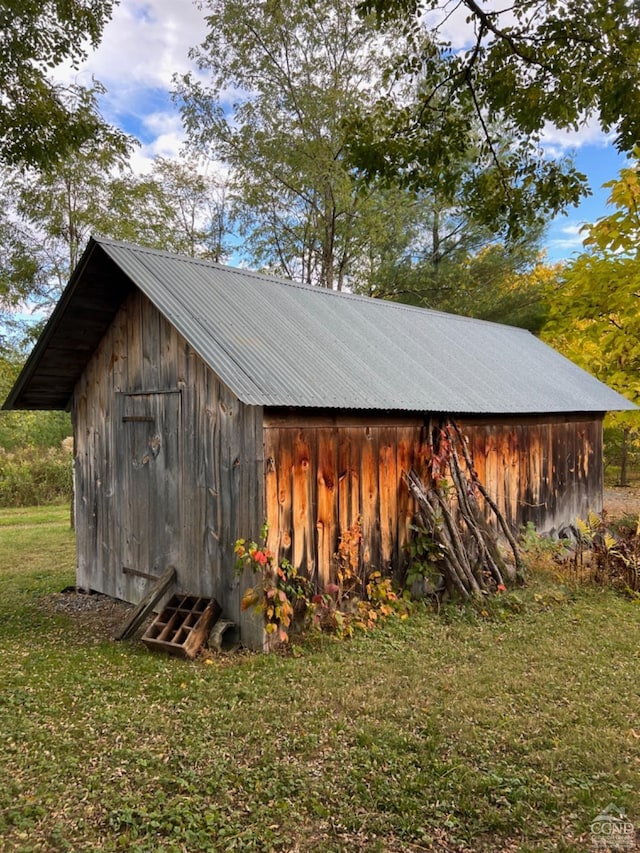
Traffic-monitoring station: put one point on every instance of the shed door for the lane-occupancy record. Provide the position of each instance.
(152, 481)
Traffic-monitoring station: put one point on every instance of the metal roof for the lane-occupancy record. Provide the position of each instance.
(275, 342)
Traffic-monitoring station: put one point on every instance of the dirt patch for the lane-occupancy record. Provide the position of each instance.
(619, 502)
(97, 616)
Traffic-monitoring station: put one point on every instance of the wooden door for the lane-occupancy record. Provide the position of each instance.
(151, 517)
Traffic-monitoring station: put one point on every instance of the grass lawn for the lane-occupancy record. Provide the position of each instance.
(445, 732)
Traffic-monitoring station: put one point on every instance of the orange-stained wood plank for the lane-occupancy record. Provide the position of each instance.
(327, 505)
(349, 441)
(388, 503)
(273, 453)
(404, 462)
(302, 498)
(370, 499)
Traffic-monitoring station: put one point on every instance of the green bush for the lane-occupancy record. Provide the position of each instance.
(33, 429)
(32, 476)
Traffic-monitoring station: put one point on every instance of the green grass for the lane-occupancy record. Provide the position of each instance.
(443, 733)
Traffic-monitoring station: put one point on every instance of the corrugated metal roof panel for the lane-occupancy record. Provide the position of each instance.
(280, 343)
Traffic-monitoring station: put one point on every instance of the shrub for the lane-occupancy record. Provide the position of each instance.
(288, 601)
(33, 429)
(32, 476)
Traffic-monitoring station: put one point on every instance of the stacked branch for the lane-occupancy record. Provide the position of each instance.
(470, 559)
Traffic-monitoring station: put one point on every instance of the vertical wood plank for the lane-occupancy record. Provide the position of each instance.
(532, 481)
(192, 571)
(327, 503)
(227, 451)
(278, 468)
(212, 556)
(118, 359)
(273, 473)
(303, 509)
(405, 437)
(134, 344)
(477, 450)
(369, 497)
(388, 503)
(150, 346)
(348, 456)
(250, 509)
(285, 497)
(513, 474)
(596, 473)
(100, 430)
(81, 484)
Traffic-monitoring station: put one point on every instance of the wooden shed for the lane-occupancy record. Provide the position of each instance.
(207, 399)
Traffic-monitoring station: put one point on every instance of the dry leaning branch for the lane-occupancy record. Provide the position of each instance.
(470, 559)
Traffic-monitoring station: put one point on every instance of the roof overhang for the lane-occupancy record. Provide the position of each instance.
(85, 311)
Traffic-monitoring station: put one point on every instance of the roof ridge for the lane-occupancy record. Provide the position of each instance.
(289, 282)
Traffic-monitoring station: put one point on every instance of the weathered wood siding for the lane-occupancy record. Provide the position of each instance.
(544, 469)
(169, 467)
(322, 474)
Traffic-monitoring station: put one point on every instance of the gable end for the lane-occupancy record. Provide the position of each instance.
(96, 291)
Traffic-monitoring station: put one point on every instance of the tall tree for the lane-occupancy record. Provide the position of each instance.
(19, 272)
(505, 284)
(282, 76)
(192, 209)
(48, 215)
(524, 65)
(41, 121)
(595, 316)
(57, 208)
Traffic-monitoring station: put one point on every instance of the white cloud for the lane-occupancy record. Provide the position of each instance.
(145, 43)
(557, 143)
(166, 140)
(451, 24)
(450, 19)
(569, 238)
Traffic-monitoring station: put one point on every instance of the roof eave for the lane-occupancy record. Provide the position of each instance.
(58, 397)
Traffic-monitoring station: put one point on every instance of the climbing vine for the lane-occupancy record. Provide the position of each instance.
(287, 600)
(280, 592)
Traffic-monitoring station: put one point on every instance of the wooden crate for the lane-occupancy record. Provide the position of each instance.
(183, 626)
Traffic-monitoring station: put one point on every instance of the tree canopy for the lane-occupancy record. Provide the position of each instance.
(276, 79)
(595, 317)
(47, 216)
(523, 66)
(539, 61)
(284, 93)
(42, 120)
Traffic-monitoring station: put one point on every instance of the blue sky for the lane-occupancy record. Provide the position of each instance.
(147, 41)
(601, 163)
